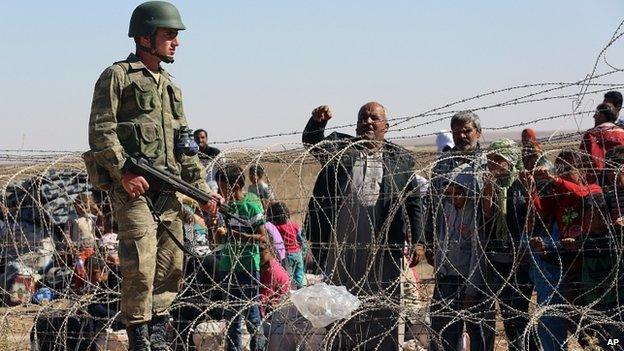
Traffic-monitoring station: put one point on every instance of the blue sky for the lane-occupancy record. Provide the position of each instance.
(254, 68)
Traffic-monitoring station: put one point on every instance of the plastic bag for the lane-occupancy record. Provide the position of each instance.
(324, 304)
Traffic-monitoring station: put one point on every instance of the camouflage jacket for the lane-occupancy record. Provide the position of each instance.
(132, 114)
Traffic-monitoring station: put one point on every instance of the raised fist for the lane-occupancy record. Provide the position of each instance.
(322, 114)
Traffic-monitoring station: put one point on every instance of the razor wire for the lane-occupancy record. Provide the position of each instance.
(558, 280)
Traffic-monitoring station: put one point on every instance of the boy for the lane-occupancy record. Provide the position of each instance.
(258, 186)
(456, 265)
(240, 259)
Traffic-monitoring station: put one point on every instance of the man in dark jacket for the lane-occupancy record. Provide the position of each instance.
(365, 206)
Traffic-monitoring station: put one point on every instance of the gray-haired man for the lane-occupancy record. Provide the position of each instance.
(455, 288)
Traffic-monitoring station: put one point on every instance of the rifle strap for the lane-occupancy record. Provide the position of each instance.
(158, 220)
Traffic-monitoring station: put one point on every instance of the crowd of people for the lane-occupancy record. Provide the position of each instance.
(506, 221)
(490, 227)
(494, 224)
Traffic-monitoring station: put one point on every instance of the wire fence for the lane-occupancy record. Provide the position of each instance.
(512, 245)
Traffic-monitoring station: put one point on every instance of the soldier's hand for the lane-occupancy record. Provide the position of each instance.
(321, 114)
(135, 185)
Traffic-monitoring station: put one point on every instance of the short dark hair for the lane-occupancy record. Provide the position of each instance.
(196, 134)
(231, 174)
(606, 109)
(256, 170)
(278, 213)
(615, 98)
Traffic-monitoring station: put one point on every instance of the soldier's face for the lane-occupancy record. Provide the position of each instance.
(166, 42)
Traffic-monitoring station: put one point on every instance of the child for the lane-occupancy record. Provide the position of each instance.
(81, 230)
(279, 215)
(109, 243)
(275, 283)
(564, 202)
(240, 259)
(569, 188)
(456, 264)
(258, 186)
(278, 243)
(103, 285)
(545, 272)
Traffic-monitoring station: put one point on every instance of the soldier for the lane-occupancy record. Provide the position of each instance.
(137, 111)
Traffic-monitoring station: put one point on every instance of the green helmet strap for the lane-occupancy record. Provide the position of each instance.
(152, 49)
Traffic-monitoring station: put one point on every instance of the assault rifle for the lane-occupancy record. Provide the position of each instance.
(164, 180)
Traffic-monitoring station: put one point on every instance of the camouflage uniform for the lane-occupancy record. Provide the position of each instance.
(133, 114)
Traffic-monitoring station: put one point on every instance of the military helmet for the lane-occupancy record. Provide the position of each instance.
(151, 15)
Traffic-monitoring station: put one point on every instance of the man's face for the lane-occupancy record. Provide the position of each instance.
(166, 42)
(202, 140)
(465, 136)
(372, 123)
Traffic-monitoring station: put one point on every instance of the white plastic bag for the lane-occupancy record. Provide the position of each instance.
(324, 304)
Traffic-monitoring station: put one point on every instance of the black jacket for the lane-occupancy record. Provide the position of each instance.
(398, 195)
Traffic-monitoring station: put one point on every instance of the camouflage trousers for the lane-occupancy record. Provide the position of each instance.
(150, 262)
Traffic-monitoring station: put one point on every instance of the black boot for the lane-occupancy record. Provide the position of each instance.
(158, 333)
(138, 337)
